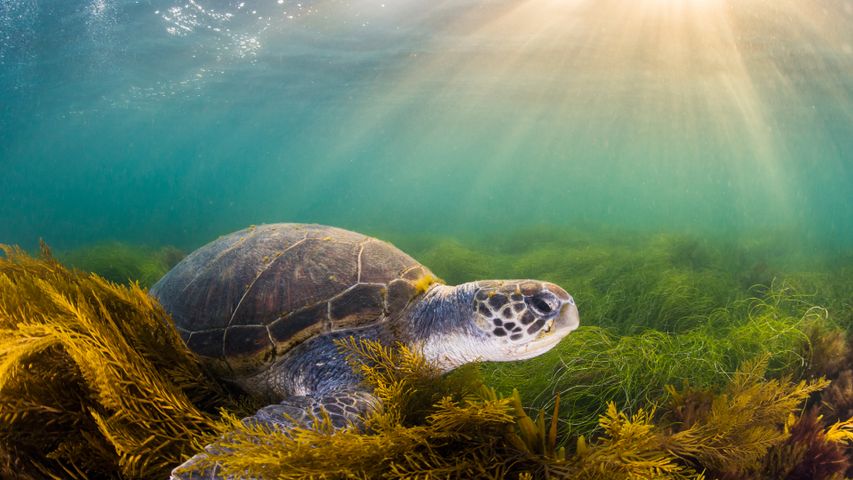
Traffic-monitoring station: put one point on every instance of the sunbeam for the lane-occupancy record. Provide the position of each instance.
(576, 96)
(456, 115)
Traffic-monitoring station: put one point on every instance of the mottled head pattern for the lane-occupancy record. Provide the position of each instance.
(506, 311)
(524, 313)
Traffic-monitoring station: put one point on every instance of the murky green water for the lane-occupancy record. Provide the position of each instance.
(172, 122)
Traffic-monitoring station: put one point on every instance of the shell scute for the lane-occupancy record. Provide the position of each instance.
(310, 272)
(299, 325)
(380, 260)
(416, 272)
(357, 306)
(195, 263)
(207, 343)
(400, 292)
(197, 303)
(246, 347)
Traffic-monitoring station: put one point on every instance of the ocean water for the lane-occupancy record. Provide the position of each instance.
(683, 168)
(173, 122)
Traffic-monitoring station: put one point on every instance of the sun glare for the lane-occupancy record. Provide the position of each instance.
(684, 74)
(685, 3)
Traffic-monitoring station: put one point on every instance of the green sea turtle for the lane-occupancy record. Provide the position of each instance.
(262, 307)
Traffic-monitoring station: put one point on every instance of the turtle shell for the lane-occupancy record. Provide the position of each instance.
(247, 298)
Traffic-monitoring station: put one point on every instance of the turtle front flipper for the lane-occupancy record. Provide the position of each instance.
(345, 407)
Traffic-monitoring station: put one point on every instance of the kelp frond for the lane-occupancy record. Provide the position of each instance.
(840, 432)
(486, 436)
(94, 380)
(732, 433)
(827, 349)
(462, 434)
(532, 436)
(382, 366)
(632, 447)
(404, 380)
(725, 435)
(458, 440)
(810, 451)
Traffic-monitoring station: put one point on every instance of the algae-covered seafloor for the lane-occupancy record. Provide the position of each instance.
(696, 358)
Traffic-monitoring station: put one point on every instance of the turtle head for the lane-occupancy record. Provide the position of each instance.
(499, 320)
(522, 318)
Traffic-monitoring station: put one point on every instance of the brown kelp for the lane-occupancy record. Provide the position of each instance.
(730, 432)
(94, 380)
(454, 434)
(837, 400)
(811, 451)
(482, 435)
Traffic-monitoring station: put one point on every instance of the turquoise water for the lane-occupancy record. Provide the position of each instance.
(172, 122)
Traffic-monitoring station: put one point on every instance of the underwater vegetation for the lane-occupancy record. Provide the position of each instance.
(723, 379)
(746, 431)
(120, 262)
(630, 282)
(94, 379)
(662, 310)
(594, 365)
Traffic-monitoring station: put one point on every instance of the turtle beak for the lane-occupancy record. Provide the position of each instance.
(561, 325)
(568, 319)
(558, 326)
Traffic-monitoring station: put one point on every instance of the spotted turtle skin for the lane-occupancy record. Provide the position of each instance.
(248, 298)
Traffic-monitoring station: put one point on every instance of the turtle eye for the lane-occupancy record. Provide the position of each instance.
(543, 303)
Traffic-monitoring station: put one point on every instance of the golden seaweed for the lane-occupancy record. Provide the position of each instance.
(724, 435)
(94, 380)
